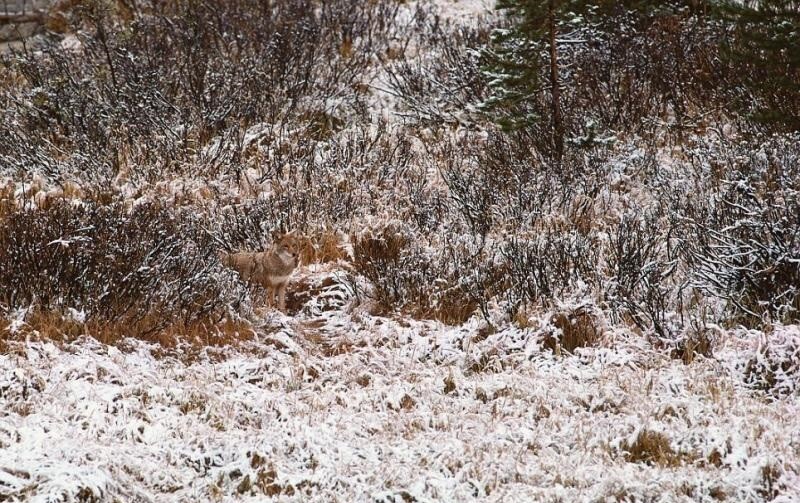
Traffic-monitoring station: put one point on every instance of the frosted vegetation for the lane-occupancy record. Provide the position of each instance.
(479, 316)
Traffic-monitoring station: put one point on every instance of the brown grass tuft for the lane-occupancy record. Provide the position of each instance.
(581, 214)
(407, 402)
(770, 485)
(449, 385)
(489, 361)
(321, 247)
(324, 344)
(718, 493)
(452, 307)
(579, 328)
(653, 448)
(7, 201)
(407, 279)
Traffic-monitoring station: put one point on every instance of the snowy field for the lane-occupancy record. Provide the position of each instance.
(335, 404)
(337, 401)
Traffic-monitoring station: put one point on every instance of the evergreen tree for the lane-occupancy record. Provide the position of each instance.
(523, 59)
(764, 52)
(516, 60)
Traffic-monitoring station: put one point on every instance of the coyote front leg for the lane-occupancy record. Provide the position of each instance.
(282, 297)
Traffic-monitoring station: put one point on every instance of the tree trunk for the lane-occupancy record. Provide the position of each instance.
(558, 128)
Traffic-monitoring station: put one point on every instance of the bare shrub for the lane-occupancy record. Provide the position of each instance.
(248, 226)
(624, 67)
(169, 87)
(744, 243)
(694, 342)
(653, 448)
(499, 181)
(642, 258)
(479, 273)
(394, 265)
(548, 266)
(447, 86)
(429, 280)
(319, 190)
(642, 64)
(145, 269)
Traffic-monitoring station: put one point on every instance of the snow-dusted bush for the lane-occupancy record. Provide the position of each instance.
(642, 63)
(744, 243)
(445, 85)
(395, 261)
(619, 67)
(412, 272)
(498, 182)
(642, 258)
(142, 269)
(147, 90)
(549, 265)
(308, 185)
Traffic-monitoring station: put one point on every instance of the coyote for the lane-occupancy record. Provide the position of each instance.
(270, 269)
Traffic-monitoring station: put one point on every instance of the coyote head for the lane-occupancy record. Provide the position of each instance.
(288, 245)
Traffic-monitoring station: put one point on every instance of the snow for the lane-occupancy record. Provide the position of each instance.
(353, 407)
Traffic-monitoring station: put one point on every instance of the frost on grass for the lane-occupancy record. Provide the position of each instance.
(364, 408)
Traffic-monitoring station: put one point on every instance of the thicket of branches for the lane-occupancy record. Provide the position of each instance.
(139, 270)
(172, 87)
(667, 205)
(663, 77)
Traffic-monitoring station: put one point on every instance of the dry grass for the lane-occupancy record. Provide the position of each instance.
(770, 481)
(449, 384)
(330, 347)
(58, 17)
(304, 289)
(6, 200)
(489, 361)
(57, 327)
(582, 215)
(321, 125)
(653, 448)
(407, 279)
(321, 247)
(579, 328)
(11, 78)
(266, 482)
(452, 309)
(696, 343)
(324, 344)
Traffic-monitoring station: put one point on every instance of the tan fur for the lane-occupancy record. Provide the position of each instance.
(270, 269)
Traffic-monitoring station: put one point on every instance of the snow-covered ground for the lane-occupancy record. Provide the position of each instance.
(335, 404)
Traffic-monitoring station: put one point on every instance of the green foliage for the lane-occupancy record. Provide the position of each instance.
(764, 51)
(515, 58)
